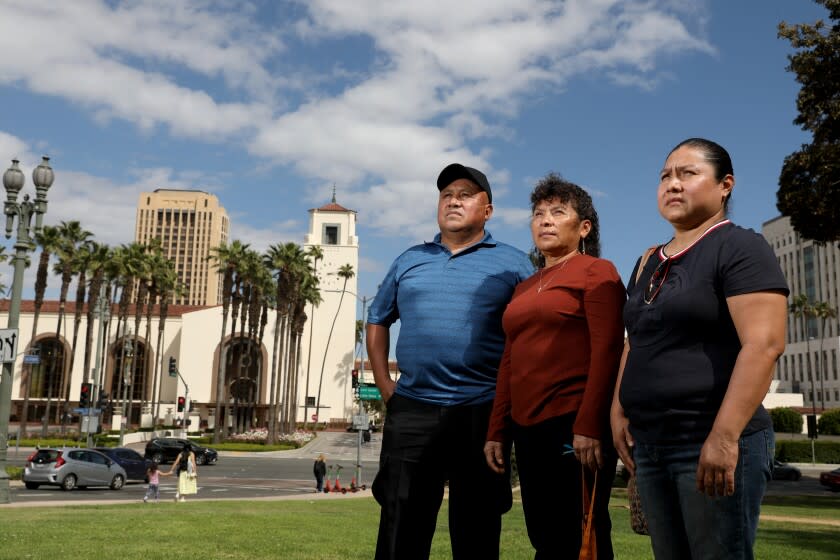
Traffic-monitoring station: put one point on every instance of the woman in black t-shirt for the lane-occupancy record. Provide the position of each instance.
(705, 321)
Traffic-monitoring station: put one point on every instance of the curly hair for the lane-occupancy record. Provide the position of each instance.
(555, 187)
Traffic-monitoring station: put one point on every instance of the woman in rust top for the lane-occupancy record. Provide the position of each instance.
(564, 340)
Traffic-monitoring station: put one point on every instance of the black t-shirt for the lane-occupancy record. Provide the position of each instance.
(683, 345)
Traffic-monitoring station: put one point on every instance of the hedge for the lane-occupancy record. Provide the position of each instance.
(829, 422)
(786, 420)
(800, 451)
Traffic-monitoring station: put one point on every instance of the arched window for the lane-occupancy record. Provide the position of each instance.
(46, 376)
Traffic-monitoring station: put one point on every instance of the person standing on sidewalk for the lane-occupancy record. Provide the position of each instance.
(449, 295)
(319, 469)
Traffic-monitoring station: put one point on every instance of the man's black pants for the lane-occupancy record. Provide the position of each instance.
(423, 446)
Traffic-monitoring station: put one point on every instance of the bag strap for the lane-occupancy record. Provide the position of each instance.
(588, 549)
(643, 261)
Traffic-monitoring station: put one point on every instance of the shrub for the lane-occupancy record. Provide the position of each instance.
(786, 420)
(829, 422)
(800, 451)
(15, 473)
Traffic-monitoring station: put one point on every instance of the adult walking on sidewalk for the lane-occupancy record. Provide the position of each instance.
(449, 295)
(185, 469)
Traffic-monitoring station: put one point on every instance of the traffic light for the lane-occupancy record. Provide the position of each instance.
(355, 374)
(102, 401)
(181, 402)
(173, 367)
(84, 396)
(812, 426)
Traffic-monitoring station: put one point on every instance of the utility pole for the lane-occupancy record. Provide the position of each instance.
(103, 311)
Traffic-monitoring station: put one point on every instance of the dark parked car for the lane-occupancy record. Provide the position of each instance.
(831, 479)
(783, 471)
(71, 468)
(164, 450)
(135, 465)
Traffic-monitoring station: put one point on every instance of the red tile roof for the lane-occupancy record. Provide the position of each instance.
(51, 306)
(333, 207)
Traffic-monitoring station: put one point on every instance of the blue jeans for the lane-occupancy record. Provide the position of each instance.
(685, 524)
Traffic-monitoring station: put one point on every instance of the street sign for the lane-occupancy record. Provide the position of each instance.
(369, 392)
(86, 411)
(33, 359)
(360, 421)
(8, 345)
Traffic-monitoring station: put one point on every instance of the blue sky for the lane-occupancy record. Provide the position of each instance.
(267, 104)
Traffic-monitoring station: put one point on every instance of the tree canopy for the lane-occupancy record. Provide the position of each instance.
(809, 184)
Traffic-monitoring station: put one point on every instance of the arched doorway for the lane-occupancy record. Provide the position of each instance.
(129, 376)
(46, 379)
(243, 364)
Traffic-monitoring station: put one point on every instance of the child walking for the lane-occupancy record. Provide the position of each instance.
(154, 483)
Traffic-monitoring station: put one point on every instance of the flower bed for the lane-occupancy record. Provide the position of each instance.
(298, 438)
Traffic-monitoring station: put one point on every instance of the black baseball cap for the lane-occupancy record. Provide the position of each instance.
(455, 171)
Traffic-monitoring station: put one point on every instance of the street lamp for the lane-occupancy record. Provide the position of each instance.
(128, 357)
(13, 180)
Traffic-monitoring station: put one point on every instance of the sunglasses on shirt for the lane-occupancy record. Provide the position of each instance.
(656, 280)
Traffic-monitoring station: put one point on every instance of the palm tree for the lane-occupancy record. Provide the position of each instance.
(100, 255)
(307, 293)
(125, 268)
(285, 261)
(226, 259)
(48, 239)
(139, 365)
(157, 265)
(316, 253)
(801, 307)
(81, 263)
(71, 237)
(169, 288)
(345, 272)
(823, 311)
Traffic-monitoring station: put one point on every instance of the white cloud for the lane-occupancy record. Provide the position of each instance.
(437, 79)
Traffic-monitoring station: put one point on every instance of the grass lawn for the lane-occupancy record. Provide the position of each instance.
(321, 529)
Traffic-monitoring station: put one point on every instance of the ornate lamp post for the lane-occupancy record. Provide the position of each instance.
(128, 357)
(13, 181)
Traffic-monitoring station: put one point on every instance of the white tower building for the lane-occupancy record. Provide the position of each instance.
(328, 361)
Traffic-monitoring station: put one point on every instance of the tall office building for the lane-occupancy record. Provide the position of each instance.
(188, 223)
(809, 364)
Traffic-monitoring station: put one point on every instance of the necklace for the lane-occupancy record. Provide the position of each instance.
(553, 274)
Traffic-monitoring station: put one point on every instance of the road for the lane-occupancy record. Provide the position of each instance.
(235, 476)
(286, 473)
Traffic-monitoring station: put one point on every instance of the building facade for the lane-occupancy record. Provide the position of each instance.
(188, 224)
(328, 360)
(134, 365)
(809, 364)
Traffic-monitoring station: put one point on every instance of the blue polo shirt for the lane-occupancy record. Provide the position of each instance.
(450, 310)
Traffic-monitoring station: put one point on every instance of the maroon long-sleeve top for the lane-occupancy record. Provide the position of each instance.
(564, 340)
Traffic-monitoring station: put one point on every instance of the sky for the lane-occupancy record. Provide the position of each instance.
(270, 104)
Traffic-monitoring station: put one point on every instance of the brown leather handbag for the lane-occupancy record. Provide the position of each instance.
(637, 517)
(588, 545)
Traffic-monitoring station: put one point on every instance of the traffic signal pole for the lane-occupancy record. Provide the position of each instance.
(173, 366)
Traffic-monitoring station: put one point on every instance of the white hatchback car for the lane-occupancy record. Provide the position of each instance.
(71, 468)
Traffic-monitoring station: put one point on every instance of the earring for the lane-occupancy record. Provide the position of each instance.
(583, 245)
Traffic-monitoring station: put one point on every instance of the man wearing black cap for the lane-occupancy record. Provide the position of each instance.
(449, 295)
